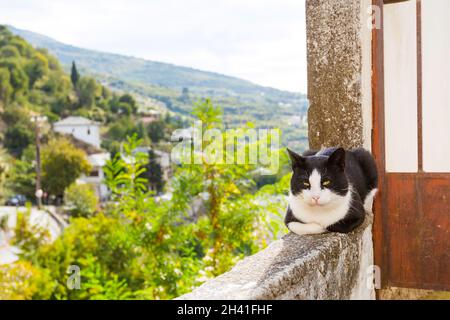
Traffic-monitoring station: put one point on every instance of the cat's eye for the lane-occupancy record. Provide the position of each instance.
(326, 182)
(306, 184)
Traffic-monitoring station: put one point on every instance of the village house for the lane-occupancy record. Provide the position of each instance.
(150, 116)
(85, 134)
(81, 128)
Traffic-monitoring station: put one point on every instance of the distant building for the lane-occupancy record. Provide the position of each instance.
(96, 176)
(85, 134)
(150, 116)
(81, 128)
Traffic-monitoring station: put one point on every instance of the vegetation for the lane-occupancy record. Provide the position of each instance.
(62, 164)
(138, 244)
(141, 247)
(81, 200)
(154, 173)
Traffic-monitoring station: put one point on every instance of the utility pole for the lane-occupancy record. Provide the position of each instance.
(39, 192)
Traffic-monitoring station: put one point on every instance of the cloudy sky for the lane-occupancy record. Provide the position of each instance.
(259, 40)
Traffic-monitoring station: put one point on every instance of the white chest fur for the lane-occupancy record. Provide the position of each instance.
(323, 215)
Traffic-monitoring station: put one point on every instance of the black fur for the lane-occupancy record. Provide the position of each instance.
(340, 167)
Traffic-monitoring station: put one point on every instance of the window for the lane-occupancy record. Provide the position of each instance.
(94, 173)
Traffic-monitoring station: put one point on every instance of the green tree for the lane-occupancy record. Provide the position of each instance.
(17, 138)
(81, 200)
(128, 99)
(62, 164)
(22, 179)
(5, 86)
(36, 68)
(18, 76)
(89, 90)
(156, 131)
(185, 95)
(154, 173)
(74, 75)
(5, 168)
(126, 126)
(9, 51)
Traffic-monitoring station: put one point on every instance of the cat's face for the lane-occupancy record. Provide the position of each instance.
(319, 180)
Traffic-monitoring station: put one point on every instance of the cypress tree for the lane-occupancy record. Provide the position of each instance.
(74, 75)
(154, 172)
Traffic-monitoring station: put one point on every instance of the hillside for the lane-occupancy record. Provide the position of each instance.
(157, 73)
(166, 86)
(32, 82)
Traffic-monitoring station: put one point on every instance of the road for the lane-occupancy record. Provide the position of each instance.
(8, 254)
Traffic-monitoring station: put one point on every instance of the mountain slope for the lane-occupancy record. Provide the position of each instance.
(160, 85)
(136, 69)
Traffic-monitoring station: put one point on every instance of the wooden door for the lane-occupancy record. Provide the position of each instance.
(411, 143)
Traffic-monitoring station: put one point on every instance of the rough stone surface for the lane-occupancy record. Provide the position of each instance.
(326, 266)
(335, 39)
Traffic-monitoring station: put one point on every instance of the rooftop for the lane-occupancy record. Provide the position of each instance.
(75, 121)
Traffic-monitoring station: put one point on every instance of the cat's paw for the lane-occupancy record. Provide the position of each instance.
(305, 228)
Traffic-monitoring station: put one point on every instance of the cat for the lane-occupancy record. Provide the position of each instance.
(331, 190)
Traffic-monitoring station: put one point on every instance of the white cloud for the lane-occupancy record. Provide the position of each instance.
(259, 40)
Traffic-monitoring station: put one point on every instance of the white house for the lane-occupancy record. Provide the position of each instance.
(81, 128)
(96, 176)
(86, 133)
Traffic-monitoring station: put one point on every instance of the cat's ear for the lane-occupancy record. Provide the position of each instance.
(296, 159)
(337, 159)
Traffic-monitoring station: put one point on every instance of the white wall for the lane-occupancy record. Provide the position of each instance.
(89, 134)
(400, 80)
(436, 85)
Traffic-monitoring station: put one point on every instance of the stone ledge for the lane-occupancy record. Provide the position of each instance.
(326, 266)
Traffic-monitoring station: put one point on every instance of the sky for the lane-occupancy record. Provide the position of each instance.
(263, 41)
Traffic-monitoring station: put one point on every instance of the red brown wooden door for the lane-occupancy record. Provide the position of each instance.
(411, 142)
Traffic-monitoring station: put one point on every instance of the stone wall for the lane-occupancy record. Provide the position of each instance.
(326, 266)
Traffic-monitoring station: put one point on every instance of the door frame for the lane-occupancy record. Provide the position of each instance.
(378, 146)
(382, 249)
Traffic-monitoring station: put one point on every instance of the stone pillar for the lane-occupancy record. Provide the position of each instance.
(339, 73)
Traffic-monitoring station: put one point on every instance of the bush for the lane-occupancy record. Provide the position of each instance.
(23, 281)
(81, 199)
(142, 247)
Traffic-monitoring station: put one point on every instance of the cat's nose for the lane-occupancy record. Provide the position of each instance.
(316, 198)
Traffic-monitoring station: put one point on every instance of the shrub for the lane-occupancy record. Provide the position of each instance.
(23, 281)
(81, 200)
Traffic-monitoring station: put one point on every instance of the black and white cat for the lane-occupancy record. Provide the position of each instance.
(331, 190)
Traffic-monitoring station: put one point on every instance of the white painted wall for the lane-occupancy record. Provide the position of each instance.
(436, 85)
(87, 133)
(400, 79)
(97, 161)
